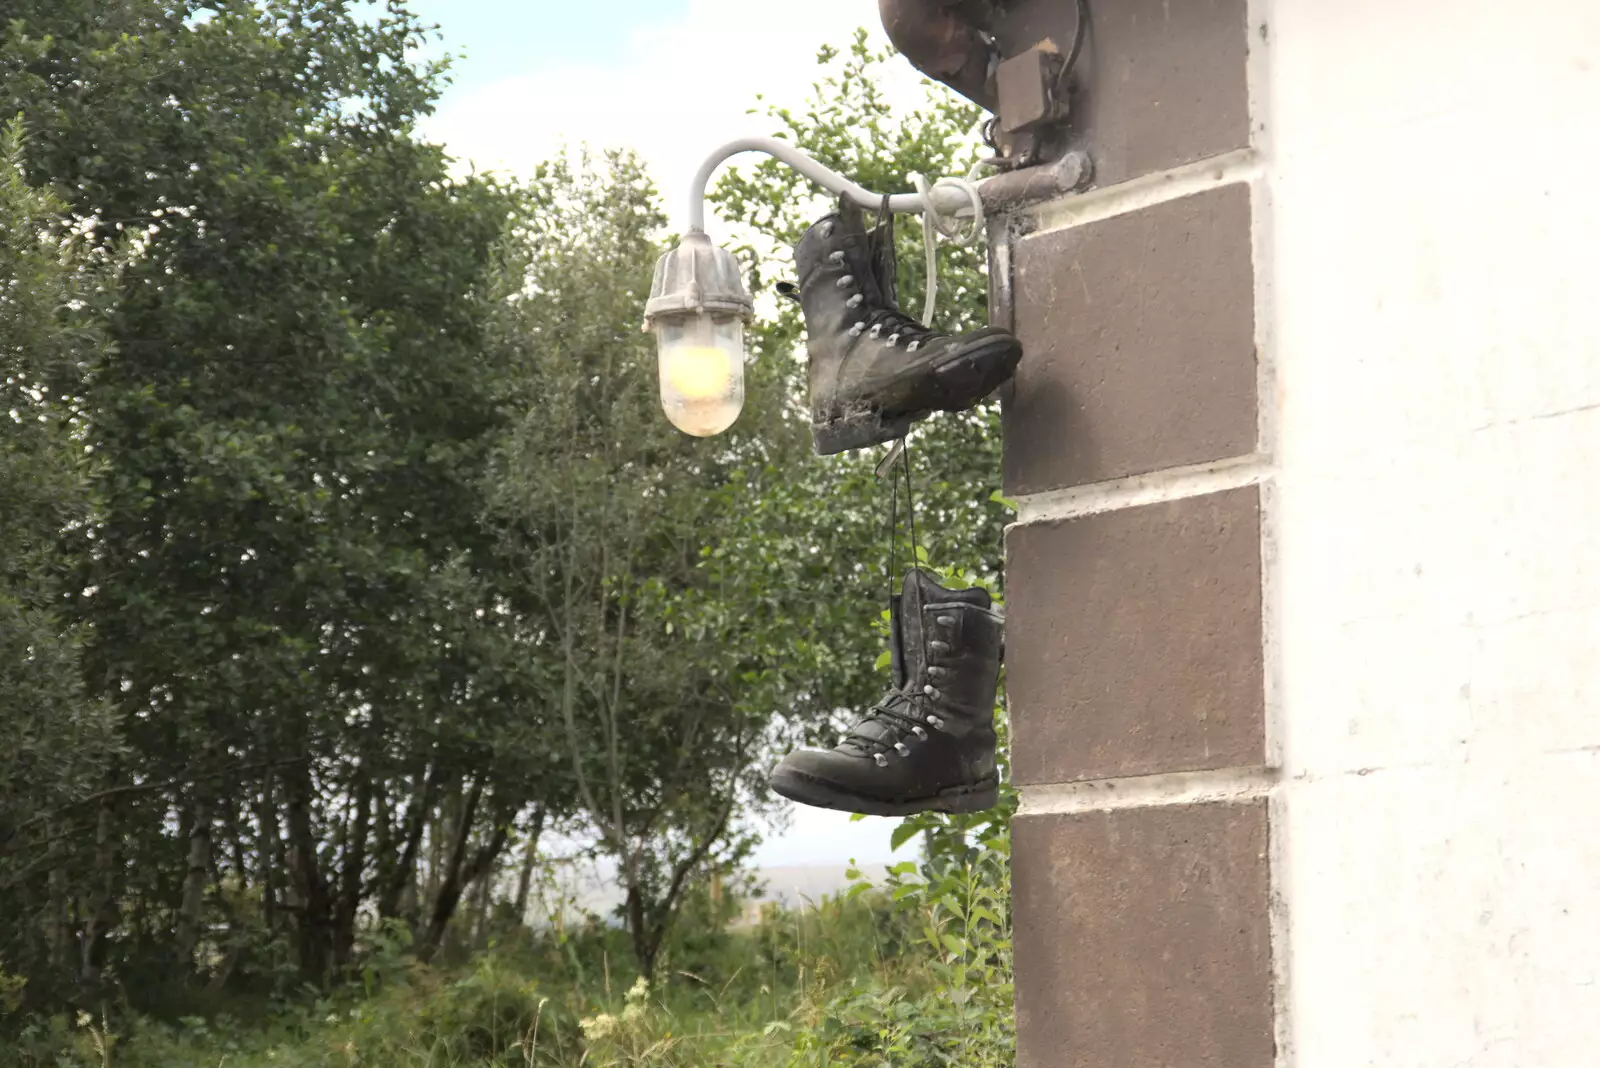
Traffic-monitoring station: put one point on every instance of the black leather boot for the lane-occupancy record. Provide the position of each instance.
(873, 369)
(930, 744)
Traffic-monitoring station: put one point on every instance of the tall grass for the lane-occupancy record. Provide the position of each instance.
(913, 973)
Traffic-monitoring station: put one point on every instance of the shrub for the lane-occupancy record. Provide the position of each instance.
(955, 1011)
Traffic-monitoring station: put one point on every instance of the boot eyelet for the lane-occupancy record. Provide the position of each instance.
(847, 280)
(855, 301)
(882, 760)
(892, 340)
(936, 723)
(827, 229)
(939, 647)
(855, 331)
(902, 748)
(913, 346)
(945, 621)
(920, 733)
(836, 257)
(931, 692)
(938, 672)
(876, 330)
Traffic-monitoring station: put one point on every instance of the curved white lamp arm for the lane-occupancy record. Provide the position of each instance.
(947, 200)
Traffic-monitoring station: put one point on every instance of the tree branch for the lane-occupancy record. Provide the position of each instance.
(141, 788)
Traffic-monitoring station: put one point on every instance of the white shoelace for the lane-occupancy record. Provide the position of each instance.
(935, 225)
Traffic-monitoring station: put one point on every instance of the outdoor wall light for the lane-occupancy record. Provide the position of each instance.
(698, 304)
(697, 310)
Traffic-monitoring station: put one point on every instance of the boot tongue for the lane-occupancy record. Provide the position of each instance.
(905, 619)
(919, 591)
(913, 595)
(927, 591)
(897, 642)
(880, 246)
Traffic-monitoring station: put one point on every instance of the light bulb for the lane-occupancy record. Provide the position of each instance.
(701, 363)
(698, 372)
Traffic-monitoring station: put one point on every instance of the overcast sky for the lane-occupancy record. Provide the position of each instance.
(671, 79)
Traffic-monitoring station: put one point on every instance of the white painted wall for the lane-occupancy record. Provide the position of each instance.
(1433, 271)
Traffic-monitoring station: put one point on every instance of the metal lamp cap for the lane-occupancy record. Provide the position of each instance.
(698, 277)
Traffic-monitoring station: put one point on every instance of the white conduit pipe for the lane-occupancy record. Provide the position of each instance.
(947, 199)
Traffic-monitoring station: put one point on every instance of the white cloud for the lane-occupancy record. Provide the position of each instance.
(672, 91)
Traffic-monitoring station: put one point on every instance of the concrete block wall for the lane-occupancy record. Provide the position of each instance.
(1304, 609)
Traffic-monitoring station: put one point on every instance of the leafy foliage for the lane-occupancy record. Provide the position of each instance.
(280, 570)
(60, 737)
(607, 517)
(850, 980)
(346, 556)
(831, 513)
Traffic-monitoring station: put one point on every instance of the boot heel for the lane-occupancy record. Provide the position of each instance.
(857, 431)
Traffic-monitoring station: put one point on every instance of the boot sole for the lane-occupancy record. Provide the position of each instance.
(860, 430)
(968, 379)
(819, 793)
(963, 382)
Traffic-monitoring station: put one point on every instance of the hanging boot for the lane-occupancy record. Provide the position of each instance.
(930, 744)
(873, 369)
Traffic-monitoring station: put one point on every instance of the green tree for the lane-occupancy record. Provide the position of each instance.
(351, 550)
(60, 739)
(282, 578)
(606, 513)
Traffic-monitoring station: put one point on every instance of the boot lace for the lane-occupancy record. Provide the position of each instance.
(888, 321)
(893, 326)
(904, 711)
(898, 715)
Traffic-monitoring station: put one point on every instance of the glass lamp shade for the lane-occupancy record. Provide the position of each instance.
(701, 362)
(697, 309)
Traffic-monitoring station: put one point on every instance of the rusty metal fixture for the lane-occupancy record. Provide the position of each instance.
(1002, 283)
(1015, 58)
(946, 40)
(1011, 190)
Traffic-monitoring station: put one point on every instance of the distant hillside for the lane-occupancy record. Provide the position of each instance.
(593, 887)
(795, 884)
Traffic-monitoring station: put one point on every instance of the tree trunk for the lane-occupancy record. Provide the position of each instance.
(355, 863)
(305, 871)
(438, 836)
(649, 921)
(458, 873)
(269, 852)
(383, 854)
(236, 838)
(101, 911)
(403, 877)
(191, 909)
(59, 937)
(530, 861)
(646, 942)
(481, 896)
